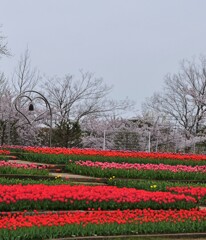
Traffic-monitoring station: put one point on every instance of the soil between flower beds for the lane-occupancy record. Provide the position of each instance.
(184, 236)
(65, 178)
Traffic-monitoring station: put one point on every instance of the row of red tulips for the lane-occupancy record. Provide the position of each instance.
(4, 152)
(52, 225)
(108, 153)
(197, 192)
(39, 196)
(138, 216)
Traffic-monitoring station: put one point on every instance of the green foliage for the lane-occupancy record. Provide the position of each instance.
(149, 185)
(52, 181)
(8, 132)
(112, 229)
(47, 205)
(44, 158)
(63, 159)
(67, 134)
(13, 170)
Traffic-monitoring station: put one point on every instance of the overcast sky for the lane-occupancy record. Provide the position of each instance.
(131, 44)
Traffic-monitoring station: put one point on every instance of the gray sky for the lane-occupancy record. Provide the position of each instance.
(131, 44)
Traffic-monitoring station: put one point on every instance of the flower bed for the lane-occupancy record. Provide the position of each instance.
(142, 171)
(28, 181)
(15, 164)
(198, 192)
(112, 153)
(19, 168)
(121, 210)
(4, 152)
(43, 197)
(137, 166)
(150, 185)
(62, 155)
(50, 225)
(63, 159)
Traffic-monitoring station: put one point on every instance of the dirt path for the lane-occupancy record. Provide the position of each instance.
(65, 175)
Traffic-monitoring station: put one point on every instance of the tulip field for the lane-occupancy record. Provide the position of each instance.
(143, 193)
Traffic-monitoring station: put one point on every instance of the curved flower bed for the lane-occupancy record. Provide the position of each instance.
(151, 185)
(108, 153)
(137, 166)
(14, 164)
(112, 153)
(141, 171)
(52, 225)
(63, 159)
(28, 181)
(39, 196)
(198, 192)
(106, 199)
(4, 152)
(138, 216)
(19, 168)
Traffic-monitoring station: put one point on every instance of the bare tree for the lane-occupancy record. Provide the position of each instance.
(3, 46)
(74, 99)
(3, 52)
(184, 96)
(25, 77)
